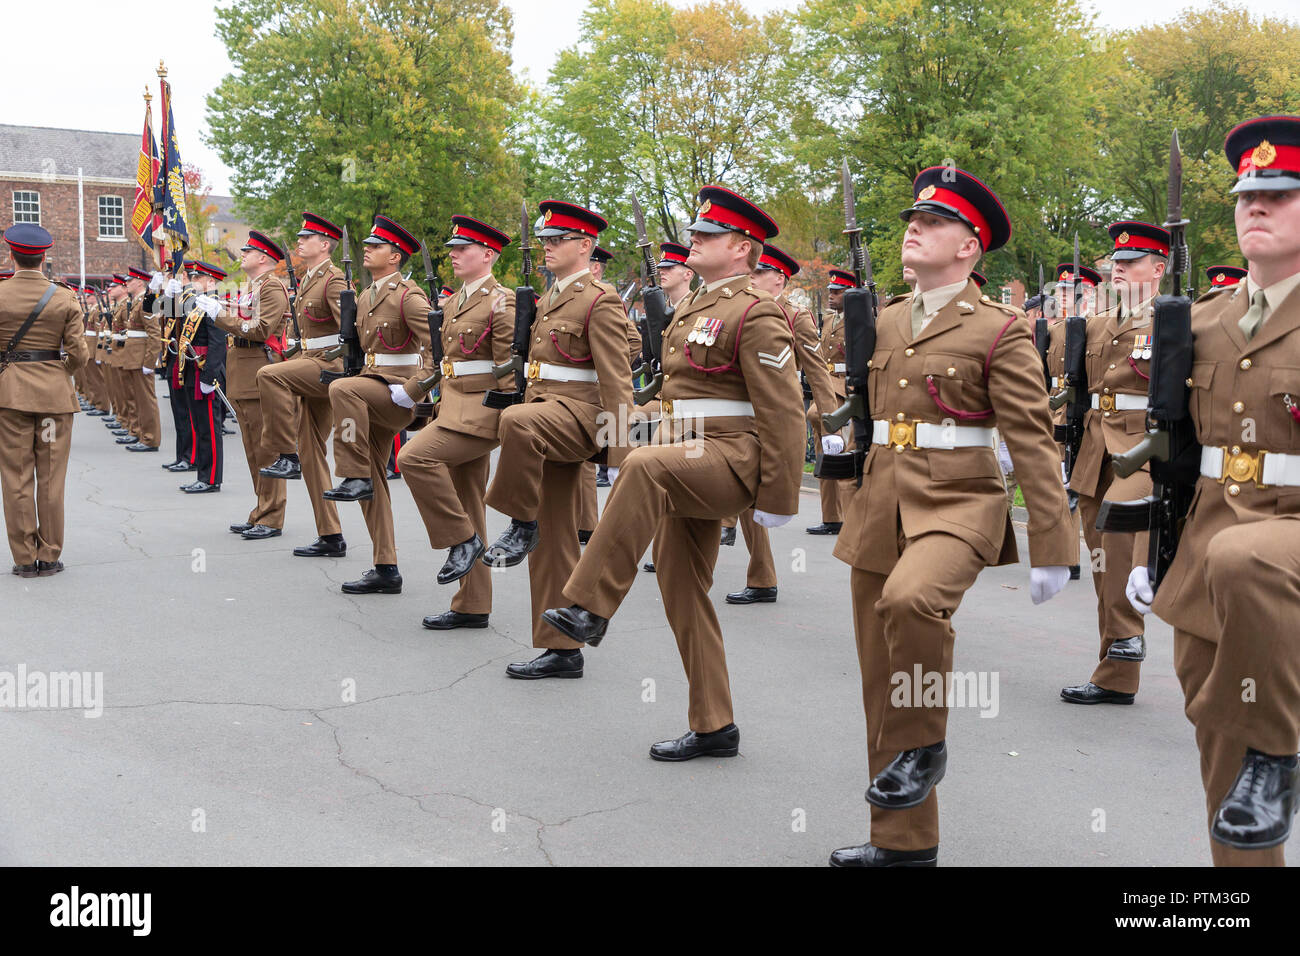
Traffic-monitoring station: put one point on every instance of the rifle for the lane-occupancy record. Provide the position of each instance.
(1170, 444)
(658, 313)
(293, 310)
(860, 309)
(525, 316)
(1042, 334)
(425, 409)
(1078, 279)
(1074, 396)
(349, 340)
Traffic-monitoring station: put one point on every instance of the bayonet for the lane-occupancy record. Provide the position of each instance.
(859, 262)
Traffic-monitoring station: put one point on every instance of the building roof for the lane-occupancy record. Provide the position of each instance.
(225, 211)
(32, 149)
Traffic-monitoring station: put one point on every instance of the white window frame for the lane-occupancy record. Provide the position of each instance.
(121, 206)
(21, 216)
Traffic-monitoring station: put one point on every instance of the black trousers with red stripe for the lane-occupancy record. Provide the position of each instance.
(206, 413)
(398, 441)
(181, 418)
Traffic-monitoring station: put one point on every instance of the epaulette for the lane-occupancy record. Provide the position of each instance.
(1002, 307)
(1217, 291)
(897, 298)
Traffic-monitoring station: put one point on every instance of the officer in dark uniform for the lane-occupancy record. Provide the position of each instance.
(199, 370)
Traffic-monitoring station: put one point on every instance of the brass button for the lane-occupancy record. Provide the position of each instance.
(902, 383)
(681, 321)
(1112, 365)
(672, 349)
(1105, 414)
(898, 449)
(1114, 341)
(1234, 490)
(869, 361)
(1105, 391)
(1235, 450)
(900, 416)
(910, 352)
(951, 372)
(1245, 364)
(667, 376)
(539, 341)
(1238, 407)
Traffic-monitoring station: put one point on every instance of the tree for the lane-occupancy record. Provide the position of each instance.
(357, 107)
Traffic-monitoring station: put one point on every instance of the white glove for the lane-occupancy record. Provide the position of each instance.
(208, 304)
(147, 371)
(1046, 583)
(832, 444)
(207, 389)
(156, 281)
(612, 471)
(400, 397)
(769, 520)
(174, 287)
(1139, 590)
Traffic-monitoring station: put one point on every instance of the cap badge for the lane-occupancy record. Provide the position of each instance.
(925, 193)
(547, 219)
(1220, 277)
(1263, 154)
(704, 209)
(1122, 238)
(1064, 276)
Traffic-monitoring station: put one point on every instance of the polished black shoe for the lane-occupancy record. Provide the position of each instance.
(141, 446)
(577, 623)
(200, 488)
(512, 547)
(393, 475)
(826, 527)
(868, 855)
(97, 413)
(351, 489)
(286, 466)
(602, 482)
(584, 536)
(460, 560)
(324, 547)
(1090, 693)
(753, 596)
(728, 537)
(547, 664)
(717, 743)
(181, 466)
(259, 531)
(45, 568)
(909, 778)
(26, 570)
(126, 440)
(170, 465)
(450, 620)
(378, 580)
(648, 566)
(119, 431)
(111, 422)
(1258, 811)
(227, 431)
(237, 528)
(1130, 649)
(1074, 572)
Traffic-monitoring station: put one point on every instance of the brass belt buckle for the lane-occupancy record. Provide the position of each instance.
(534, 371)
(666, 408)
(902, 435)
(1107, 403)
(830, 367)
(1243, 466)
(448, 370)
(370, 360)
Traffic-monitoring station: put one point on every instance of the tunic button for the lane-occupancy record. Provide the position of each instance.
(672, 349)
(1114, 341)
(900, 417)
(539, 341)
(1238, 407)
(1105, 391)
(1245, 364)
(1235, 450)
(952, 372)
(1105, 414)
(898, 449)
(902, 383)
(1112, 364)
(1234, 490)
(910, 352)
(681, 321)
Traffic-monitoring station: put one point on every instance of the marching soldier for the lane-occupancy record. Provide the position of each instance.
(292, 391)
(256, 335)
(1223, 276)
(1076, 295)
(1232, 592)
(198, 373)
(41, 332)
(833, 493)
(931, 510)
(124, 427)
(1050, 306)
(373, 406)
(1119, 353)
(139, 361)
(732, 438)
(593, 476)
(446, 464)
(772, 275)
(577, 404)
(103, 400)
(172, 323)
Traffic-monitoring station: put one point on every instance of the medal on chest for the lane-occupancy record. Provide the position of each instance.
(1142, 346)
(706, 331)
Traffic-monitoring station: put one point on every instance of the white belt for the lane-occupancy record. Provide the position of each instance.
(1123, 403)
(118, 337)
(137, 335)
(320, 342)
(926, 435)
(838, 368)
(684, 408)
(461, 369)
(398, 358)
(1264, 468)
(1056, 382)
(546, 372)
(91, 334)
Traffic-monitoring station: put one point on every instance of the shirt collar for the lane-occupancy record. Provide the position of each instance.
(562, 284)
(1275, 293)
(469, 288)
(933, 300)
(712, 286)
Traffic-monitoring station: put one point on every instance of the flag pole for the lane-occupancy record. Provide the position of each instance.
(81, 223)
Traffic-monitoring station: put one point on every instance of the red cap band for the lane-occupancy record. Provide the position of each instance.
(958, 202)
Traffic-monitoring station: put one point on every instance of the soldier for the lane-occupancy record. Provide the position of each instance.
(103, 400)
(125, 426)
(772, 275)
(1223, 276)
(577, 404)
(732, 438)
(292, 391)
(1076, 295)
(446, 464)
(40, 326)
(1119, 352)
(198, 373)
(143, 343)
(1232, 590)
(833, 493)
(371, 407)
(256, 340)
(92, 376)
(931, 513)
(173, 321)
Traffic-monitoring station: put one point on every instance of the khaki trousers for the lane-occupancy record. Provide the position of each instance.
(146, 407)
(1116, 618)
(447, 472)
(761, 572)
(365, 420)
(33, 474)
(588, 508)
(834, 494)
(126, 396)
(904, 620)
(677, 496)
(291, 392)
(271, 496)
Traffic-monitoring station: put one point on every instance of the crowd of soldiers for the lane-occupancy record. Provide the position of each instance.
(954, 385)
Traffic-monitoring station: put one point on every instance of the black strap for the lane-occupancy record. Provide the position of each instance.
(22, 329)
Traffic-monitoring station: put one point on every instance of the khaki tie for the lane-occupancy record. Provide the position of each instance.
(1254, 317)
(918, 315)
(374, 291)
(460, 302)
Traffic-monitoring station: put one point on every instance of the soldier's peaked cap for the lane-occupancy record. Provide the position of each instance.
(955, 194)
(314, 225)
(259, 242)
(673, 254)
(778, 260)
(134, 273)
(208, 268)
(28, 239)
(601, 255)
(1265, 152)
(384, 230)
(1087, 276)
(1220, 276)
(722, 210)
(842, 279)
(980, 279)
(119, 279)
(560, 218)
(465, 231)
(1134, 239)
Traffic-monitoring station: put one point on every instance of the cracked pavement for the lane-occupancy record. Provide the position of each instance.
(254, 714)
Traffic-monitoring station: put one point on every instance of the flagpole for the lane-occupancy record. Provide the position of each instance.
(163, 141)
(81, 224)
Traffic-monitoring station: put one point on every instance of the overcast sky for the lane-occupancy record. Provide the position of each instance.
(93, 69)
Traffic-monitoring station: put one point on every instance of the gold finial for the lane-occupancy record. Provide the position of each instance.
(148, 97)
(162, 70)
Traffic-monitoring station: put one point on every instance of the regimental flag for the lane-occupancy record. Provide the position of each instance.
(169, 191)
(144, 218)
